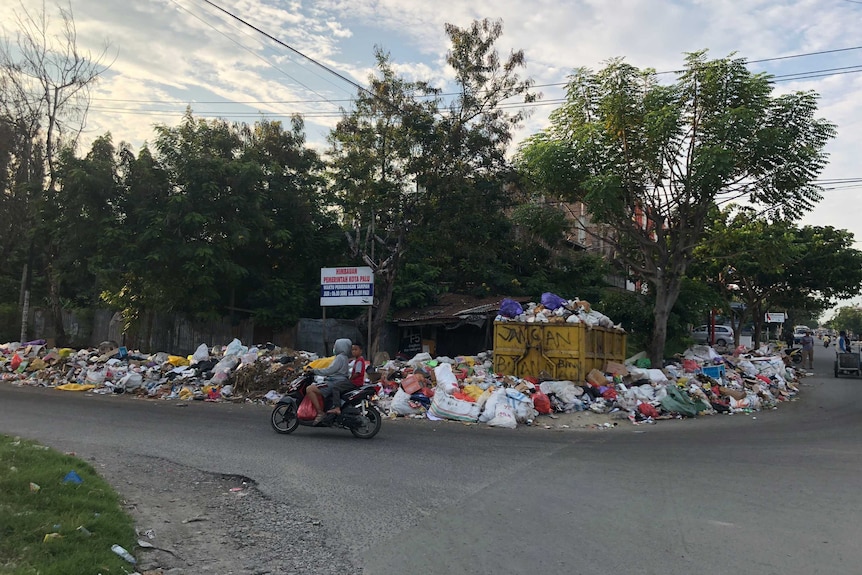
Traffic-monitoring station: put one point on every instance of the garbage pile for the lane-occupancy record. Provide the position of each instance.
(230, 373)
(702, 382)
(553, 309)
(464, 388)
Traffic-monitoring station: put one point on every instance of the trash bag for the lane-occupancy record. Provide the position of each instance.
(510, 308)
(306, 410)
(504, 416)
(553, 301)
(541, 403)
(201, 353)
(677, 401)
(401, 403)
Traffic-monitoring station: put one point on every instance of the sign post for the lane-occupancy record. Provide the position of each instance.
(346, 286)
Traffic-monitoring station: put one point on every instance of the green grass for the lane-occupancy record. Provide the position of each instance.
(81, 521)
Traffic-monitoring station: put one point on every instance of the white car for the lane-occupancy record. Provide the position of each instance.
(723, 334)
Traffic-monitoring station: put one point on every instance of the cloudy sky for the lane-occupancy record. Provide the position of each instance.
(168, 54)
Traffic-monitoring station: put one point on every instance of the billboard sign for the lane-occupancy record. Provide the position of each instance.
(346, 286)
(774, 317)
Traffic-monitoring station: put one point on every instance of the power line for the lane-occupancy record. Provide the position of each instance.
(291, 48)
(249, 50)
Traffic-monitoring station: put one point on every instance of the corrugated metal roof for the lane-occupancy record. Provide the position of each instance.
(452, 308)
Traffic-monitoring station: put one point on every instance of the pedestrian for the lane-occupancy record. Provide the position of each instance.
(808, 350)
(843, 344)
(788, 337)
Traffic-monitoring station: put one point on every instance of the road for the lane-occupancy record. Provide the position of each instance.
(773, 492)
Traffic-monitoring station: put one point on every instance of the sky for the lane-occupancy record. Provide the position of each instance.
(166, 55)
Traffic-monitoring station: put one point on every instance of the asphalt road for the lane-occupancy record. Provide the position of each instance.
(773, 492)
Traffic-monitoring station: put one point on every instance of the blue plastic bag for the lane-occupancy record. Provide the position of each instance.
(553, 301)
(72, 477)
(510, 308)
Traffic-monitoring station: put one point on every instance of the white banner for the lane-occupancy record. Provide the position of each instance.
(346, 286)
(774, 317)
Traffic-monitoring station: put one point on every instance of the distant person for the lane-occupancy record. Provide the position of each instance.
(808, 350)
(843, 343)
(788, 338)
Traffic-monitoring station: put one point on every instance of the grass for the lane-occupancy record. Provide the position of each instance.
(49, 526)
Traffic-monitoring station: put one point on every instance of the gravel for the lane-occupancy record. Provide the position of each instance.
(197, 522)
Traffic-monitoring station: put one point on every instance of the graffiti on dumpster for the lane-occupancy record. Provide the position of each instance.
(548, 338)
(532, 364)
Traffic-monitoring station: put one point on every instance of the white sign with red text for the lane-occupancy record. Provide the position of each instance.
(346, 286)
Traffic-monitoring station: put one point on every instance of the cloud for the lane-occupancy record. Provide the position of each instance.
(171, 53)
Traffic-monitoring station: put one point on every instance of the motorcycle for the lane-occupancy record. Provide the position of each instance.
(795, 354)
(358, 412)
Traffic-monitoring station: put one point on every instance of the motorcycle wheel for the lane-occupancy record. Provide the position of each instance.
(284, 419)
(371, 422)
(796, 358)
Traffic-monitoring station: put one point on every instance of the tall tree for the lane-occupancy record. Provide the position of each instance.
(402, 161)
(374, 155)
(45, 82)
(651, 160)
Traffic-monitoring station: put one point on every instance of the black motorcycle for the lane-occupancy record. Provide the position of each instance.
(795, 354)
(358, 412)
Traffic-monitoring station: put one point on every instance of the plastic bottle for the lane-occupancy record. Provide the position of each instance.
(123, 553)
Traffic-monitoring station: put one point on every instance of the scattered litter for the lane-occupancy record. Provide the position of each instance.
(123, 553)
(73, 477)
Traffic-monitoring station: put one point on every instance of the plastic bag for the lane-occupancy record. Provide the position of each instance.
(510, 308)
(541, 403)
(235, 348)
(504, 416)
(446, 380)
(447, 407)
(306, 409)
(401, 403)
(201, 353)
(553, 301)
(95, 376)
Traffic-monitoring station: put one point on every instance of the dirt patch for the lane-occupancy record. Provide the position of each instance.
(190, 521)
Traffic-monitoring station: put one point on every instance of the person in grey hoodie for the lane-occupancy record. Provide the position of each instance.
(337, 380)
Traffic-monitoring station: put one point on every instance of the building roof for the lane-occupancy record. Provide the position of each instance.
(452, 309)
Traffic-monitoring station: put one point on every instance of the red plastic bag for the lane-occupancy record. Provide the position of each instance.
(647, 410)
(15, 361)
(306, 409)
(542, 403)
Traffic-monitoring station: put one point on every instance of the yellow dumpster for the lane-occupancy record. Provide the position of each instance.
(566, 351)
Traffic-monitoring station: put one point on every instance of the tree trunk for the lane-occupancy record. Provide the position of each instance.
(56, 308)
(381, 310)
(667, 292)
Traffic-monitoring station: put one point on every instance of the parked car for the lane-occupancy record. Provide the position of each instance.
(723, 334)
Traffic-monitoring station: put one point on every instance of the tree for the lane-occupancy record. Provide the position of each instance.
(406, 171)
(651, 160)
(775, 265)
(848, 319)
(45, 82)
(226, 218)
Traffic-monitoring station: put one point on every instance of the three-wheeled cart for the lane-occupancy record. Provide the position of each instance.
(847, 364)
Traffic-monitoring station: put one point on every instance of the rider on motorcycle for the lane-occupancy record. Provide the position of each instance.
(337, 380)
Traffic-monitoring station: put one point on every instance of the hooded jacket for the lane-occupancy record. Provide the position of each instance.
(340, 366)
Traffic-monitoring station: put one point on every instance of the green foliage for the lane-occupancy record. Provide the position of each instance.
(775, 265)
(652, 160)
(31, 516)
(423, 182)
(848, 319)
(418, 286)
(225, 218)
